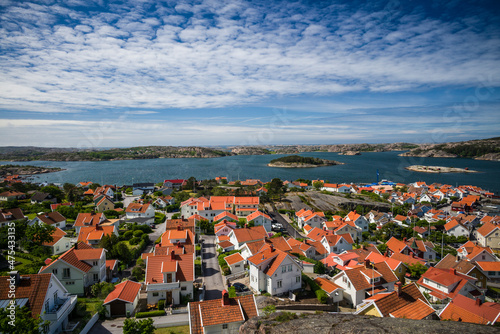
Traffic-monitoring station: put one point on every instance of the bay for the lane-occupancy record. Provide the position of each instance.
(357, 169)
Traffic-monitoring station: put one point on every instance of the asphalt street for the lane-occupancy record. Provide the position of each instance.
(211, 273)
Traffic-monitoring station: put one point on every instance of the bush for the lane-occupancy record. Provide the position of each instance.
(232, 292)
(286, 316)
(149, 314)
(134, 241)
(322, 296)
(128, 235)
(269, 309)
(145, 238)
(161, 304)
(138, 233)
(101, 290)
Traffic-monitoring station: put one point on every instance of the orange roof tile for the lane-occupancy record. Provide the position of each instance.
(360, 281)
(137, 208)
(326, 285)
(486, 229)
(77, 255)
(57, 235)
(234, 258)
(416, 311)
(489, 265)
(250, 233)
(184, 263)
(126, 291)
(256, 214)
(465, 309)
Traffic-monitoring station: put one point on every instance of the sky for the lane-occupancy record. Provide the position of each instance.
(89, 74)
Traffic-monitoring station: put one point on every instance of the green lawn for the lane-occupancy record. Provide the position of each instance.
(173, 330)
(31, 216)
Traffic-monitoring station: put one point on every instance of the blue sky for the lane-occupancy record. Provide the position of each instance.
(85, 73)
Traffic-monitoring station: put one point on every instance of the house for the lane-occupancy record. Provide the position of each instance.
(88, 219)
(10, 215)
(177, 238)
(224, 227)
(141, 213)
(84, 185)
(221, 179)
(122, 301)
(397, 246)
(164, 201)
(50, 218)
(472, 252)
(260, 219)
(53, 207)
(240, 236)
(343, 227)
(274, 271)
(398, 267)
(174, 183)
(169, 277)
(404, 302)
(422, 249)
(111, 269)
(379, 218)
(488, 235)
(60, 242)
(445, 284)
(39, 198)
(174, 224)
(235, 262)
(491, 269)
(465, 267)
(103, 203)
(366, 280)
(337, 243)
(334, 292)
(106, 190)
(308, 217)
(360, 221)
(243, 206)
(79, 268)
(454, 228)
(92, 235)
(421, 232)
(225, 315)
(401, 220)
(44, 295)
(471, 310)
(11, 196)
(301, 248)
(338, 188)
(225, 215)
(139, 189)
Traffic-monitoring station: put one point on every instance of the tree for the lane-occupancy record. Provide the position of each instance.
(319, 268)
(190, 184)
(122, 252)
(53, 190)
(275, 188)
(417, 269)
(144, 326)
(382, 248)
(22, 323)
(39, 233)
(317, 185)
(67, 211)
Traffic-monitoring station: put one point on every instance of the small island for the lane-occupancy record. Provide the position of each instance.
(295, 161)
(439, 169)
(8, 170)
(350, 153)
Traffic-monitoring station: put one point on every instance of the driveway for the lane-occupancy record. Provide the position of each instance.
(157, 232)
(116, 325)
(128, 199)
(211, 274)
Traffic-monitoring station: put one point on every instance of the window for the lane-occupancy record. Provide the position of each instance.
(94, 263)
(400, 269)
(47, 305)
(66, 273)
(297, 279)
(155, 294)
(289, 267)
(224, 326)
(183, 288)
(96, 277)
(283, 269)
(70, 283)
(279, 284)
(491, 273)
(54, 271)
(57, 248)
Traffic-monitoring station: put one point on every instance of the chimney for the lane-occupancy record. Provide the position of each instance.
(172, 255)
(225, 298)
(478, 302)
(367, 264)
(246, 226)
(397, 288)
(272, 248)
(404, 239)
(179, 228)
(324, 228)
(14, 276)
(453, 271)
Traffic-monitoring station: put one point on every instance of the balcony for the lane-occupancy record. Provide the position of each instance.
(162, 286)
(63, 307)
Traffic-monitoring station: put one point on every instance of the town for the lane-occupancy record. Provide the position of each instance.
(198, 256)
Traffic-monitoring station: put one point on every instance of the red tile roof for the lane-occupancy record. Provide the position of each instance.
(225, 215)
(126, 291)
(88, 219)
(250, 233)
(234, 258)
(57, 235)
(184, 262)
(137, 208)
(396, 245)
(275, 255)
(256, 214)
(326, 285)
(88, 233)
(417, 311)
(486, 229)
(34, 287)
(465, 309)
(489, 265)
(111, 264)
(360, 281)
(77, 255)
(50, 218)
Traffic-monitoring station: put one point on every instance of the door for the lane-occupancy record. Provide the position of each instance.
(117, 308)
(169, 278)
(169, 298)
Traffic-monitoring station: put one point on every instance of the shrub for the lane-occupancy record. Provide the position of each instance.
(134, 241)
(138, 233)
(145, 238)
(101, 309)
(322, 296)
(101, 290)
(286, 316)
(161, 304)
(149, 314)
(269, 309)
(232, 292)
(128, 235)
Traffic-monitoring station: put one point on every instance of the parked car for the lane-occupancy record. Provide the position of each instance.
(240, 287)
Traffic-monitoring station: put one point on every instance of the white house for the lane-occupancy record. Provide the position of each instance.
(79, 268)
(50, 218)
(123, 299)
(141, 211)
(169, 277)
(224, 227)
(338, 188)
(235, 262)
(334, 292)
(260, 219)
(274, 271)
(359, 220)
(60, 242)
(240, 236)
(44, 295)
(337, 243)
(360, 282)
(454, 228)
(164, 201)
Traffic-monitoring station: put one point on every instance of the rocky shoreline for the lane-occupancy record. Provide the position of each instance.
(438, 169)
(8, 170)
(303, 165)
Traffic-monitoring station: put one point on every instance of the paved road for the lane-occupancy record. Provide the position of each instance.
(289, 228)
(211, 274)
(116, 325)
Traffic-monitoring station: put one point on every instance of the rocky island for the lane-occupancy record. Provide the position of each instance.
(295, 161)
(350, 153)
(7, 170)
(438, 169)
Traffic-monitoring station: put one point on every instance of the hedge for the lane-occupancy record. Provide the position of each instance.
(149, 314)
